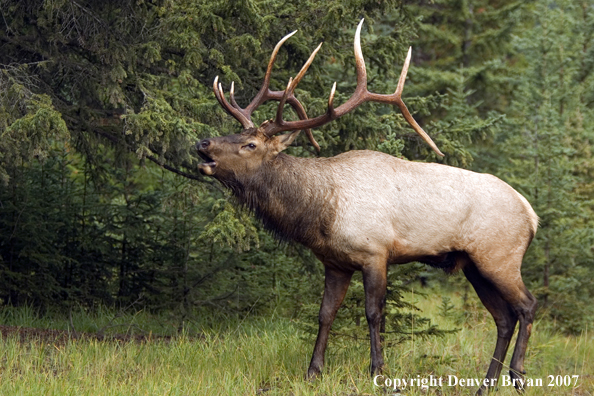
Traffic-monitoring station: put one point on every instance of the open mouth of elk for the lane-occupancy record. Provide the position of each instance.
(208, 166)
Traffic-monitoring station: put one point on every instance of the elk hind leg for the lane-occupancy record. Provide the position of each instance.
(523, 305)
(504, 316)
(525, 309)
(336, 286)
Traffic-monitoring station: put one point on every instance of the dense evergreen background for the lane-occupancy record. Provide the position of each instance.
(101, 104)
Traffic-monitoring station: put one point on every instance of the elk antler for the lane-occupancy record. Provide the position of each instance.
(360, 96)
(265, 94)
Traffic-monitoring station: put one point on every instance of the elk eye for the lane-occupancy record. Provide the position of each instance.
(251, 146)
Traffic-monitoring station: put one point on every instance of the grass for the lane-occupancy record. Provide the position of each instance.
(270, 357)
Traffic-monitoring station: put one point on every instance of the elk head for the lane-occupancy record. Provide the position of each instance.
(242, 153)
(245, 152)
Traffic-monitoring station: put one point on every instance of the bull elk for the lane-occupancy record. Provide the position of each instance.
(363, 210)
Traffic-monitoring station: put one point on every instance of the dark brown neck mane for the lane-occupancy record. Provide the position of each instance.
(291, 196)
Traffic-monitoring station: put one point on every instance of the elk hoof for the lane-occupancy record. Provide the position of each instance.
(313, 373)
(376, 370)
(517, 378)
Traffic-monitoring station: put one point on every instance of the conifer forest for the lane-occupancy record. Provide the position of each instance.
(102, 206)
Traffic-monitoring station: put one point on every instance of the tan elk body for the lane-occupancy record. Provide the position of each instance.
(364, 210)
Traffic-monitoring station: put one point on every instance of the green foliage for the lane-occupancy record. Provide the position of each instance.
(474, 35)
(462, 125)
(230, 228)
(29, 123)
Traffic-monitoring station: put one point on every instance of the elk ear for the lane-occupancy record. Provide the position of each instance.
(285, 141)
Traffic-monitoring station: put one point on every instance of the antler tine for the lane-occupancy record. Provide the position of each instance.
(281, 105)
(215, 88)
(273, 56)
(288, 92)
(404, 110)
(359, 60)
(264, 93)
(403, 73)
(232, 96)
(232, 110)
(409, 118)
(331, 99)
(294, 85)
(305, 67)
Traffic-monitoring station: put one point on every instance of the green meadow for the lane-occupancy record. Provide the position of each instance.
(256, 356)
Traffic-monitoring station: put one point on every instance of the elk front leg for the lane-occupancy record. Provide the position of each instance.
(374, 282)
(337, 284)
